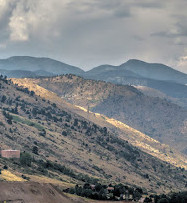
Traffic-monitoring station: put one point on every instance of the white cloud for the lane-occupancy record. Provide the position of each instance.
(182, 64)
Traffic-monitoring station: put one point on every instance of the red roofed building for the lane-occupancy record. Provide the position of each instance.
(10, 153)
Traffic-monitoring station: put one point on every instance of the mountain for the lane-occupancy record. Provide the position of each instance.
(27, 63)
(125, 132)
(176, 92)
(156, 117)
(143, 70)
(138, 73)
(133, 72)
(71, 149)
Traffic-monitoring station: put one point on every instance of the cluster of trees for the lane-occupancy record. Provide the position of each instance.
(49, 165)
(3, 78)
(106, 192)
(180, 197)
(8, 117)
(25, 90)
(120, 192)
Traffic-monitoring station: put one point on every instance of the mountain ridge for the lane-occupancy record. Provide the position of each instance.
(146, 70)
(38, 63)
(121, 102)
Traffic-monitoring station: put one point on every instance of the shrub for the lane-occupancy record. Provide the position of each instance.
(25, 159)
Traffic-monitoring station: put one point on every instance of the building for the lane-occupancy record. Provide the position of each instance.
(10, 153)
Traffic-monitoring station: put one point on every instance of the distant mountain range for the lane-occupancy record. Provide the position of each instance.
(26, 66)
(162, 78)
(141, 69)
(132, 68)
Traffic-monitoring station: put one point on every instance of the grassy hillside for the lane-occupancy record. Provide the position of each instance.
(69, 146)
(135, 137)
(157, 118)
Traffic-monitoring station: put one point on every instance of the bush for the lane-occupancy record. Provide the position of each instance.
(64, 133)
(35, 150)
(25, 159)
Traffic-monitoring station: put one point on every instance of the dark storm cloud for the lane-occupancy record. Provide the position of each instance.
(87, 33)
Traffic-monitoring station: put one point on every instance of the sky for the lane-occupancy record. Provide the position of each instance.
(88, 33)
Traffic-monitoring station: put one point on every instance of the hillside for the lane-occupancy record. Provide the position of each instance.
(31, 192)
(69, 146)
(136, 138)
(138, 73)
(166, 122)
(40, 66)
(156, 93)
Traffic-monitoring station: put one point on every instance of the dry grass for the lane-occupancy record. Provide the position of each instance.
(44, 179)
(8, 176)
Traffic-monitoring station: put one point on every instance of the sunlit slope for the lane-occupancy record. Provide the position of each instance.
(135, 137)
(68, 137)
(154, 116)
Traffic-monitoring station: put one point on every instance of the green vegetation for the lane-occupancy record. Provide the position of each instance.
(180, 197)
(27, 122)
(25, 159)
(49, 165)
(107, 192)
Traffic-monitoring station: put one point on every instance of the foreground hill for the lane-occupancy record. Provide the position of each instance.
(35, 67)
(31, 192)
(69, 147)
(158, 118)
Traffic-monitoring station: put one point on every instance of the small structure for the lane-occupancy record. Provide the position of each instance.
(10, 153)
(110, 189)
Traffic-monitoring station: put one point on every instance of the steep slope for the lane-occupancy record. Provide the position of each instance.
(67, 141)
(171, 89)
(156, 93)
(28, 63)
(158, 118)
(145, 70)
(133, 136)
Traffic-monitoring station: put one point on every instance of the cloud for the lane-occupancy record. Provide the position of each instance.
(182, 64)
(87, 33)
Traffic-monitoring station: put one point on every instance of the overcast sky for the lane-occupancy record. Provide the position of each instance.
(88, 33)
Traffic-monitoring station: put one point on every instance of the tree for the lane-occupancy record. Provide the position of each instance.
(163, 200)
(3, 99)
(25, 159)
(35, 150)
(64, 133)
